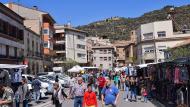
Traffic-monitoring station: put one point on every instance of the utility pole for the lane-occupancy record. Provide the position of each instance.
(155, 52)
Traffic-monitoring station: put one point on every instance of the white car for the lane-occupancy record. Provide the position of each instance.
(44, 86)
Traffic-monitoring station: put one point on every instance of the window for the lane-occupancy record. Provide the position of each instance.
(37, 47)
(101, 51)
(1, 26)
(80, 46)
(162, 48)
(101, 58)
(105, 59)
(46, 31)
(105, 51)
(81, 55)
(161, 34)
(2, 50)
(28, 45)
(7, 50)
(45, 44)
(109, 51)
(21, 34)
(80, 37)
(148, 36)
(15, 51)
(149, 49)
(109, 58)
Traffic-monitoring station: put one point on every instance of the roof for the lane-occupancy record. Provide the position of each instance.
(6, 8)
(184, 43)
(43, 12)
(11, 66)
(102, 47)
(59, 27)
(73, 29)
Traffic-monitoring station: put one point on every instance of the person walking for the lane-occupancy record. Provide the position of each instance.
(6, 96)
(122, 82)
(25, 93)
(36, 89)
(127, 88)
(18, 95)
(59, 95)
(116, 80)
(110, 94)
(101, 82)
(90, 98)
(133, 88)
(78, 91)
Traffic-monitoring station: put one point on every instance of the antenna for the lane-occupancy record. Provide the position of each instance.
(18, 2)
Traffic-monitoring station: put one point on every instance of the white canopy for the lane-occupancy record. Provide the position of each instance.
(75, 69)
(142, 65)
(11, 66)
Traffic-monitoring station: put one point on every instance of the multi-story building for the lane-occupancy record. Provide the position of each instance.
(91, 42)
(41, 23)
(124, 50)
(69, 44)
(103, 57)
(154, 38)
(33, 52)
(11, 36)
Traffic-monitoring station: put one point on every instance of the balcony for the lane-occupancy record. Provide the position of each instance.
(60, 51)
(11, 57)
(60, 42)
(58, 60)
(148, 56)
(34, 54)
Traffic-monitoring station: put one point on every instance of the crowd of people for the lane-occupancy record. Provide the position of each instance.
(18, 95)
(84, 91)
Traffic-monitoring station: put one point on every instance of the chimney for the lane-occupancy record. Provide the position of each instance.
(35, 7)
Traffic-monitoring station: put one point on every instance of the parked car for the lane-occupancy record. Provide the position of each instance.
(44, 86)
(63, 81)
(46, 80)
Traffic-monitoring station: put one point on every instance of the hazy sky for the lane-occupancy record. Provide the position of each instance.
(81, 12)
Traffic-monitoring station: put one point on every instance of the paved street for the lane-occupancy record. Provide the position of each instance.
(121, 103)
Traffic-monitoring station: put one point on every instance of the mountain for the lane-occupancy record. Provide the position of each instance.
(118, 28)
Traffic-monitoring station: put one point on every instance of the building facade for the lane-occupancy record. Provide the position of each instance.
(70, 44)
(120, 55)
(33, 52)
(92, 42)
(154, 38)
(41, 23)
(103, 57)
(11, 37)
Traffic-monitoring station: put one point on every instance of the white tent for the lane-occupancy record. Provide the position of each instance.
(75, 69)
(11, 66)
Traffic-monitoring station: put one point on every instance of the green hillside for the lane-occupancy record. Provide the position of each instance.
(118, 28)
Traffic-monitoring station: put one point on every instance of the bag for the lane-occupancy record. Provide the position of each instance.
(63, 93)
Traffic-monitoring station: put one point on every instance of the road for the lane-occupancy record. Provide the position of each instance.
(121, 103)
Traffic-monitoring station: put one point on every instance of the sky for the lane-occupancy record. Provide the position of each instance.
(82, 12)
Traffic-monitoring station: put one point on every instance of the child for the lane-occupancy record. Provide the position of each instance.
(90, 98)
(145, 95)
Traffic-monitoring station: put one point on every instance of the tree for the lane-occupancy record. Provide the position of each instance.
(179, 52)
(69, 63)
